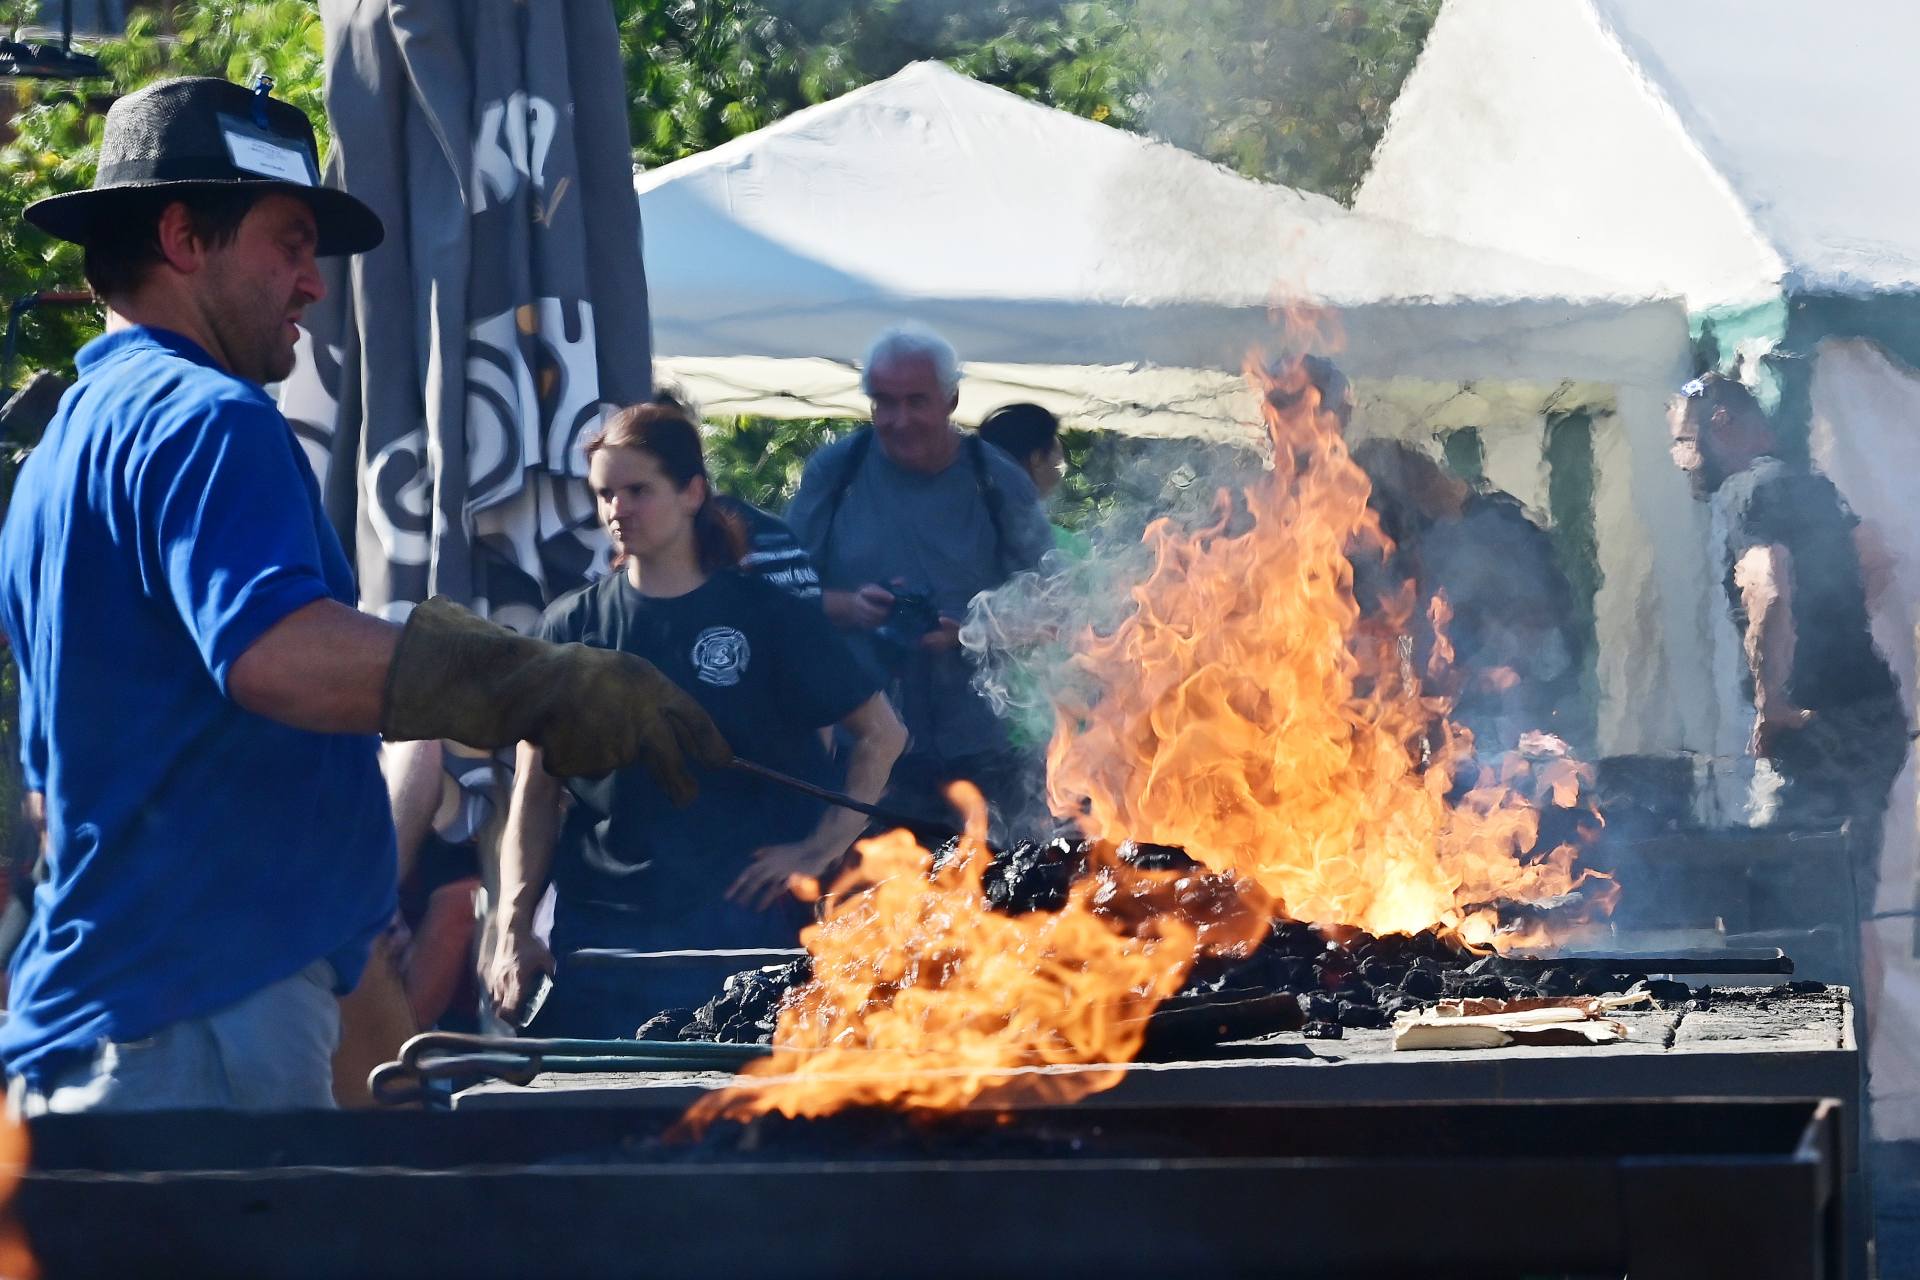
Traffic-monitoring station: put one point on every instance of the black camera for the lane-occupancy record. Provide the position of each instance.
(913, 615)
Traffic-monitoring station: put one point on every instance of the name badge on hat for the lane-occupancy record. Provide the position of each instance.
(270, 155)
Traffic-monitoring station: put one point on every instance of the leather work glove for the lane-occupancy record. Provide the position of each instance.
(455, 675)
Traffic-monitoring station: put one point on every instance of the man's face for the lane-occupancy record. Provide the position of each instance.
(912, 414)
(1691, 453)
(253, 291)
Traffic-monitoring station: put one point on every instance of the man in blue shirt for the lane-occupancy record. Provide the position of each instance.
(199, 697)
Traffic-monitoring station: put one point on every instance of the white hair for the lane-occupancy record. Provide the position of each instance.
(912, 341)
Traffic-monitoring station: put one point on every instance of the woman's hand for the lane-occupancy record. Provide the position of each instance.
(773, 868)
(519, 959)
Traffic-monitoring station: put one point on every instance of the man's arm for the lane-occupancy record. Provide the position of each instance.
(449, 674)
(878, 739)
(322, 668)
(526, 862)
(1764, 576)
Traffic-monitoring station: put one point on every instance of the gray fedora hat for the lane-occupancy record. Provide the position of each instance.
(198, 132)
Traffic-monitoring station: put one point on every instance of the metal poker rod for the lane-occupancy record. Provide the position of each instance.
(840, 798)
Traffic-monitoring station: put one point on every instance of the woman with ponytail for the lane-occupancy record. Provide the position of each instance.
(630, 870)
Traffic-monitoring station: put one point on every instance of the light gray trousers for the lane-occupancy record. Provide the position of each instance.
(272, 1051)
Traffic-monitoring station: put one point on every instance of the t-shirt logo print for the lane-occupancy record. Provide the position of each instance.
(720, 655)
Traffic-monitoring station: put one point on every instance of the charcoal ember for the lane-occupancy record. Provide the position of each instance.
(1394, 1006)
(1320, 1007)
(1292, 938)
(1422, 984)
(1393, 949)
(1667, 991)
(1154, 857)
(1033, 877)
(1354, 1014)
(1355, 991)
(664, 1025)
(1486, 986)
(1598, 982)
(1322, 1031)
(1554, 982)
(748, 1004)
(1291, 973)
(1381, 972)
(1434, 945)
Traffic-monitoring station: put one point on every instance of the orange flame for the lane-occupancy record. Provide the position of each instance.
(922, 997)
(1248, 713)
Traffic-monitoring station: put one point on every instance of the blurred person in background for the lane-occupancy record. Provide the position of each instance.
(1030, 435)
(906, 522)
(1829, 727)
(1516, 648)
(631, 870)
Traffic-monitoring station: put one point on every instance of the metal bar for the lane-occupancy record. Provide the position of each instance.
(1767, 960)
(839, 798)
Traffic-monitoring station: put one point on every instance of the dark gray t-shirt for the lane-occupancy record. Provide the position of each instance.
(934, 532)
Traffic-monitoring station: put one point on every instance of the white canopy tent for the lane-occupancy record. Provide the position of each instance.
(1123, 283)
(1755, 157)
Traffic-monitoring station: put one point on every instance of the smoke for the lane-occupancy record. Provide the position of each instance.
(1022, 636)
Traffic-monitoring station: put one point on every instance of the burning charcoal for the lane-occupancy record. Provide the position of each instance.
(1320, 1007)
(1293, 973)
(1422, 984)
(1667, 991)
(1555, 982)
(1485, 964)
(1292, 938)
(1429, 942)
(1033, 877)
(1154, 857)
(1321, 1031)
(1488, 986)
(1353, 1014)
(664, 1025)
(1598, 982)
(1382, 973)
(1396, 1005)
(1393, 949)
(1355, 991)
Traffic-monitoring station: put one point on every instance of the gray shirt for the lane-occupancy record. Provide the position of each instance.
(935, 533)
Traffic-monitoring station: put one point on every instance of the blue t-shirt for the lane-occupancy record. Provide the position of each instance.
(631, 868)
(198, 852)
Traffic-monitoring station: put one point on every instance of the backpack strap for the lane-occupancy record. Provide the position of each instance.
(856, 455)
(991, 495)
(993, 498)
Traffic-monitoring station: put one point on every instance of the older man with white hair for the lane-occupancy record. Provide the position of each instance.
(906, 522)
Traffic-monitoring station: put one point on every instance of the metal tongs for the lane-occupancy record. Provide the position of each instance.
(893, 817)
(447, 1055)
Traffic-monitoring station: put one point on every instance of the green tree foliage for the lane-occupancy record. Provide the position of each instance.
(57, 131)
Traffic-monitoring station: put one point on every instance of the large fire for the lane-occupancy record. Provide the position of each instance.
(1247, 712)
